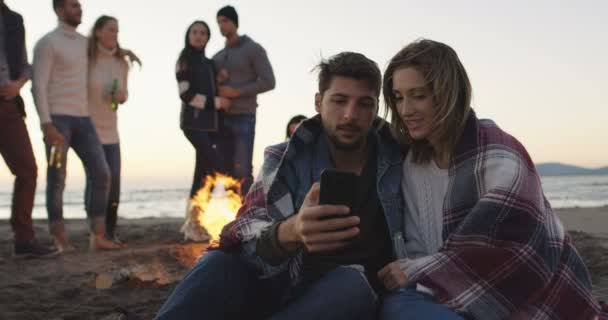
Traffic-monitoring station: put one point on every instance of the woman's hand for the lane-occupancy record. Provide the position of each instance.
(222, 104)
(132, 57)
(121, 96)
(392, 276)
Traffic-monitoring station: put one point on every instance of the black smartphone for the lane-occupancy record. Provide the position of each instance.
(338, 187)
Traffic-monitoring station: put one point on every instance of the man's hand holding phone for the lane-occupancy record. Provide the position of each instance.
(318, 228)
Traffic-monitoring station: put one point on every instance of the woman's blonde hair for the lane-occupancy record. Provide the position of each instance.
(450, 87)
(93, 39)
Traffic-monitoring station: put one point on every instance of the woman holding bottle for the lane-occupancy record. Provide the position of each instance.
(107, 89)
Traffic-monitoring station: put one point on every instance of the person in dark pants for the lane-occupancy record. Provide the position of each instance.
(246, 72)
(201, 116)
(15, 145)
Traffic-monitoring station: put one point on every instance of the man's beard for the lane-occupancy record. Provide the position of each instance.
(72, 21)
(339, 145)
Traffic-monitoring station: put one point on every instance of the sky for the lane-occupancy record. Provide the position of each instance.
(538, 68)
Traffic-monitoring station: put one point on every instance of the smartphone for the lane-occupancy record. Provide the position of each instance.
(338, 187)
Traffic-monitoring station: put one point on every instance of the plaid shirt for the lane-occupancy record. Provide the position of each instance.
(288, 172)
(506, 255)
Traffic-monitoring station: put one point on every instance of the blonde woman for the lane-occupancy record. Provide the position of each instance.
(482, 241)
(107, 89)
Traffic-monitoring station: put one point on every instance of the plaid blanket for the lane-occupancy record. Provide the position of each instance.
(269, 199)
(506, 255)
(259, 210)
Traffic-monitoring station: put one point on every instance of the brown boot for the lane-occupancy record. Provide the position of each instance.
(97, 238)
(60, 237)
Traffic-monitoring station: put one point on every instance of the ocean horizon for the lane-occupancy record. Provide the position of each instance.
(141, 200)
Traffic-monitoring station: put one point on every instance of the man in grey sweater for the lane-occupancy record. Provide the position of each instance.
(244, 72)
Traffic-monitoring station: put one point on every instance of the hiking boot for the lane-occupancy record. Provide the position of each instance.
(33, 250)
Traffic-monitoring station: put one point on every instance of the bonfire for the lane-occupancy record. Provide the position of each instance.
(213, 206)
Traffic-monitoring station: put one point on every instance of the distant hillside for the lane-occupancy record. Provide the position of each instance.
(559, 169)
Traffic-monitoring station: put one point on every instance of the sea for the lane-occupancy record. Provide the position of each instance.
(139, 200)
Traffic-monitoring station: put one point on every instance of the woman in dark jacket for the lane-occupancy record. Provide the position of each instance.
(201, 115)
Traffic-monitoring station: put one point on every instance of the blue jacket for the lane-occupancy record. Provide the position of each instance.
(288, 172)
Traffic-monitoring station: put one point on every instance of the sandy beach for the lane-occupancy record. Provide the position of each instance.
(66, 287)
(86, 285)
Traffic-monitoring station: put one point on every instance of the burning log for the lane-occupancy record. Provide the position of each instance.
(151, 267)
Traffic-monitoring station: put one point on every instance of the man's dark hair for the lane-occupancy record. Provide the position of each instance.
(350, 65)
(230, 13)
(58, 4)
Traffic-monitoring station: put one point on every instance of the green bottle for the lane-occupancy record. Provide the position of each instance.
(114, 105)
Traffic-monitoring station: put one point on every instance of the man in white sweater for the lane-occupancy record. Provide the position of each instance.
(60, 93)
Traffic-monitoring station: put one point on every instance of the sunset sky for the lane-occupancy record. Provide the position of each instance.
(538, 68)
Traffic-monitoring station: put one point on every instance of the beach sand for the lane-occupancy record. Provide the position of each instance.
(64, 287)
(141, 277)
(589, 229)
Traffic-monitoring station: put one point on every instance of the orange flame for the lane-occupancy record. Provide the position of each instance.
(217, 202)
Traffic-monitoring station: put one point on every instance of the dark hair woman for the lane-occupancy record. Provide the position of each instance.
(201, 116)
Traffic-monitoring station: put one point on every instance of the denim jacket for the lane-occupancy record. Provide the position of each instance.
(288, 172)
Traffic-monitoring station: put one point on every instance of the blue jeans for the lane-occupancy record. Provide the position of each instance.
(112, 157)
(222, 286)
(407, 303)
(239, 147)
(209, 156)
(80, 135)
